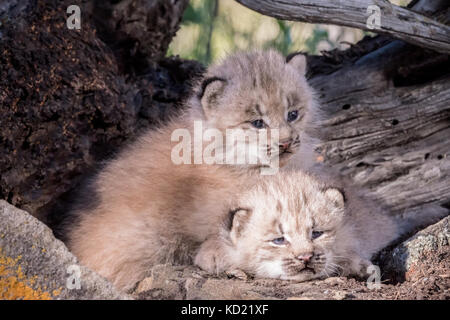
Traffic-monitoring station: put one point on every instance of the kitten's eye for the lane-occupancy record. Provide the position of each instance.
(292, 115)
(259, 124)
(316, 234)
(279, 241)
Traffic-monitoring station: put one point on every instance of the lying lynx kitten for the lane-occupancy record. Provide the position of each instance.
(143, 208)
(293, 227)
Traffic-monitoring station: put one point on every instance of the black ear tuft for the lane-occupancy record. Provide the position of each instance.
(206, 82)
(290, 56)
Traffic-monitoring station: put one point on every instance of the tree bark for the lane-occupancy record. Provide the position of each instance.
(69, 100)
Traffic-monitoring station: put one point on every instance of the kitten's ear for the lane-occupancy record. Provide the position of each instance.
(298, 61)
(210, 89)
(237, 219)
(336, 196)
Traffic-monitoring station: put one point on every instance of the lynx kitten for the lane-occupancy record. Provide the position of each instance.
(143, 209)
(293, 227)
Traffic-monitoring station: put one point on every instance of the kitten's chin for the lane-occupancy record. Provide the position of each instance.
(284, 158)
(304, 275)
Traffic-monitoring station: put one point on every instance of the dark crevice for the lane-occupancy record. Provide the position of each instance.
(10, 197)
(418, 67)
(346, 106)
(446, 205)
(361, 164)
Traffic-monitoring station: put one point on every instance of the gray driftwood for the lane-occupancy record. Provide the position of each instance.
(389, 136)
(396, 21)
(387, 121)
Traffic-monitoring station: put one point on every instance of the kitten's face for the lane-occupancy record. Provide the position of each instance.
(259, 92)
(288, 233)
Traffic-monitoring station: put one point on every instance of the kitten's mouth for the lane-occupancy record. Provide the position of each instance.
(284, 157)
(294, 268)
(308, 269)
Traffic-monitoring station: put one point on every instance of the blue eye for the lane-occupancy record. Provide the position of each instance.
(292, 115)
(279, 241)
(259, 124)
(316, 234)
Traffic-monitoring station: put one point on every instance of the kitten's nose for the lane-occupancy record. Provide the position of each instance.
(285, 145)
(306, 257)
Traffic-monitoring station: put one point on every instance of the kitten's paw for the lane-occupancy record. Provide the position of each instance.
(207, 260)
(361, 268)
(210, 258)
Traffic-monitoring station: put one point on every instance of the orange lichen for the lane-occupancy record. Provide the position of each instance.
(56, 292)
(15, 285)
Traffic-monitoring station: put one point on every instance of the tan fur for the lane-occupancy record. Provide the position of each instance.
(293, 205)
(151, 210)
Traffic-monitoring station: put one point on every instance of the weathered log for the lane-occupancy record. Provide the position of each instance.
(386, 111)
(386, 125)
(396, 21)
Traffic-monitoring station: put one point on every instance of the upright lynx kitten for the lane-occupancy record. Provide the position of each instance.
(293, 227)
(149, 210)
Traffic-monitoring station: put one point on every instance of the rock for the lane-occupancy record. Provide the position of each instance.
(410, 259)
(35, 265)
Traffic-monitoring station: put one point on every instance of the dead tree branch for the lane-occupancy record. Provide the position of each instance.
(398, 22)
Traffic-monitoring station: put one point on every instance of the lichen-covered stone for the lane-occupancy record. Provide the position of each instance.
(409, 260)
(35, 265)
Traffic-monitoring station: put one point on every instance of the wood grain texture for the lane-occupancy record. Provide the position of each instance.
(398, 22)
(386, 126)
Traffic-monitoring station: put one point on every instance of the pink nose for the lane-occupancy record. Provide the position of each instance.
(285, 145)
(305, 257)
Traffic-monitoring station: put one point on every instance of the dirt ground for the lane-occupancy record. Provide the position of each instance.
(430, 281)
